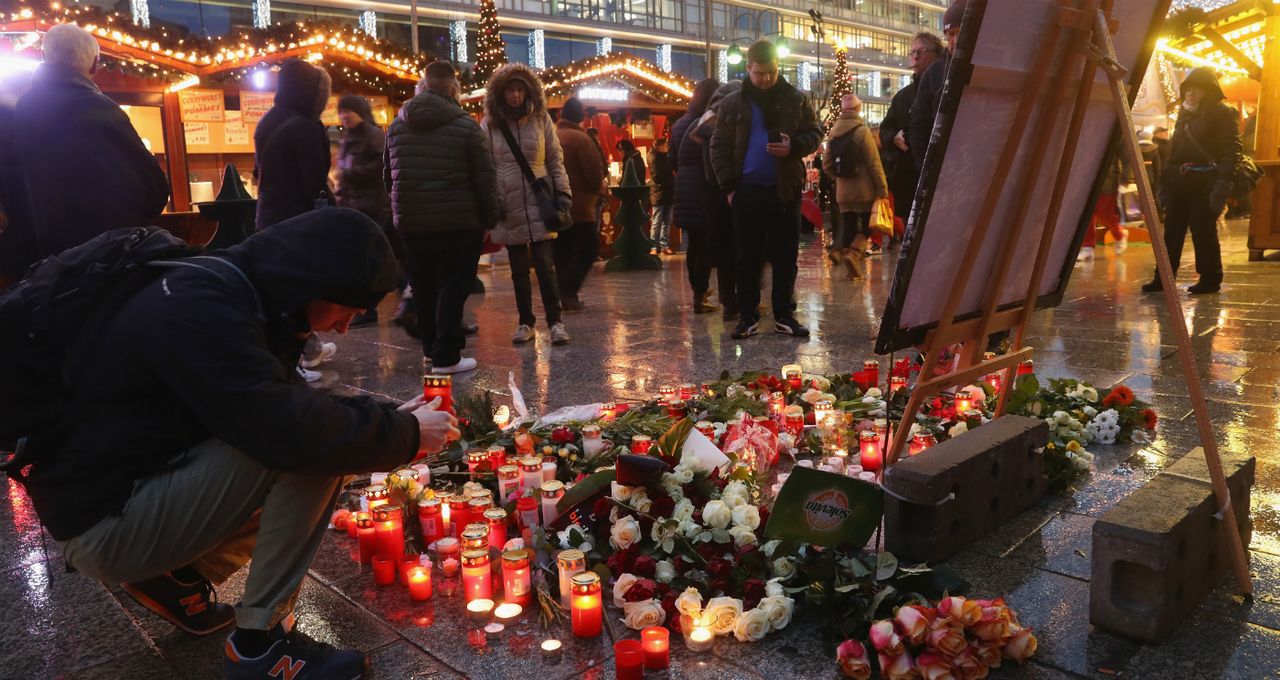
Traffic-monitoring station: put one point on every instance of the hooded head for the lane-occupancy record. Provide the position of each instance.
(1205, 82)
(336, 255)
(724, 91)
(357, 105)
(626, 146)
(573, 110)
(702, 94)
(495, 91)
(951, 20)
(299, 86)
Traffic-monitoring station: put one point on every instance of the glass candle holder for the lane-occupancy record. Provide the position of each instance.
(497, 520)
(477, 578)
(592, 442)
(688, 391)
(608, 411)
(919, 442)
(641, 444)
(869, 450)
(459, 515)
(568, 564)
(448, 547)
(377, 496)
(430, 519)
(822, 410)
(667, 392)
(628, 660)
(551, 494)
(656, 641)
(896, 382)
(697, 633)
(419, 582)
(1027, 367)
(384, 570)
(508, 481)
(548, 469)
(389, 521)
(476, 507)
(439, 386)
(678, 409)
(475, 537)
(530, 473)
(404, 564)
(777, 402)
(794, 375)
(871, 371)
(476, 459)
(995, 380)
(586, 611)
(793, 420)
(367, 535)
(497, 456)
(527, 512)
(517, 579)
(706, 428)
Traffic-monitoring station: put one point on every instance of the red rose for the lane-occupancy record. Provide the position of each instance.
(679, 563)
(621, 561)
(664, 589)
(708, 551)
(663, 506)
(644, 566)
(562, 435)
(668, 603)
(640, 591)
(719, 568)
(753, 589)
(720, 585)
(601, 507)
(747, 549)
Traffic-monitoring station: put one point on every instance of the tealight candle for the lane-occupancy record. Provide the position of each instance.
(480, 609)
(869, 448)
(868, 477)
(477, 579)
(551, 648)
(530, 473)
(568, 564)
(497, 519)
(641, 443)
(449, 567)
(493, 630)
(384, 570)
(419, 584)
(552, 492)
(367, 535)
(656, 641)
(700, 639)
(587, 609)
(507, 612)
(804, 462)
(508, 481)
(628, 659)
(826, 468)
(836, 461)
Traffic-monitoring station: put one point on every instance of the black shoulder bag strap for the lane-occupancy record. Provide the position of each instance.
(516, 151)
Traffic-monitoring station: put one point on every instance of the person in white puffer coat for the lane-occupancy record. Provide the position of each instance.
(514, 96)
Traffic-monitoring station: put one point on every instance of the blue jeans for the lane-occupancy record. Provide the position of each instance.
(660, 225)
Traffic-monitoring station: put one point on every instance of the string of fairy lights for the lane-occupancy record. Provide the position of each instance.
(841, 84)
(491, 50)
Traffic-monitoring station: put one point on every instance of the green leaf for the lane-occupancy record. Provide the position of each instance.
(878, 600)
(886, 565)
(856, 567)
(586, 488)
(671, 443)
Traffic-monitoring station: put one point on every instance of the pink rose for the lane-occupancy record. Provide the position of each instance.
(898, 667)
(947, 639)
(339, 519)
(992, 626)
(884, 639)
(934, 667)
(968, 667)
(852, 657)
(1021, 645)
(913, 622)
(989, 654)
(966, 612)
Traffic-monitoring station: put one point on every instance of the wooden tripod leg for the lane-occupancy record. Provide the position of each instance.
(1177, 322)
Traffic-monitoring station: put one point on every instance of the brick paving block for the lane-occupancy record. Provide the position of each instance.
(963, 488)
(1160, 551)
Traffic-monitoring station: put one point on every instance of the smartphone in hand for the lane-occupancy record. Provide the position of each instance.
(775, 137)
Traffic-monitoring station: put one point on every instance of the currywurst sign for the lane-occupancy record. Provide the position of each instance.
(825, 508)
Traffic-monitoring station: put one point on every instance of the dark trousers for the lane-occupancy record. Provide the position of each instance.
(724, 250)
(1187, 208)
(852, 225)
(540, 255)
(442, 268)
(576, 249)
(766, 230)
(698, 260)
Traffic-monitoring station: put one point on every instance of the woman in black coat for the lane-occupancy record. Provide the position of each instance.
(1198, 178)
(291, 162)
(690, 194)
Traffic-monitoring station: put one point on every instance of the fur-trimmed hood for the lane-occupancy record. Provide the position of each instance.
(498, 83)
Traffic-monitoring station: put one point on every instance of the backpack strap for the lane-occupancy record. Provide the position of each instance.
(219, 263)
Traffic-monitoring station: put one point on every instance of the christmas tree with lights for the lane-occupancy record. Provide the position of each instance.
(491, 52)
(841, 84)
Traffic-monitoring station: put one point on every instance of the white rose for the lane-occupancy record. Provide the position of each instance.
(664, 535)
(784, 567)
(752, 626)
(683, 510)
(734, 500)
(1089, 393)
(717, 515)
(774, 588)
(743, 536)
(621, 492)
(689, 528)
(666, 571)
(690, 602)
(769, 547)
(683, 474)
(724, 613)
(641, 615)
(621, 586)
(811, 396)
(641, 501)
(747, 516)
(958, 429)
(778, 610)
(874, 392)
(624, 533)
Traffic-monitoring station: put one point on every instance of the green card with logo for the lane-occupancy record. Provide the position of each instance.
(825, 508)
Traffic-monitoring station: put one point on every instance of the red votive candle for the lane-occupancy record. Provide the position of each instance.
(586, 610)
(459, 515)
(390, 524)
(869, 450)
(384, 570)
(497, 519)
(656, 641)
(367, 537)
(406, 563)
(354, 521)
(628, 657)
(419, 584)
(641, 443)
(439, 386)
(477, 577)
(430, 520)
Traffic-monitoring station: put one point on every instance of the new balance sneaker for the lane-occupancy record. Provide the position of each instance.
(295, 657)
(559, 334)
(192, 607)
(327, 350)
(464, 364)
(523, 334)
(745, 329)
(789, 326)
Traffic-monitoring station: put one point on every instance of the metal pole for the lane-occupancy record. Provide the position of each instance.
(706, 33)
(413, 24)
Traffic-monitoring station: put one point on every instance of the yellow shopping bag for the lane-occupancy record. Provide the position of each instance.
(881, 217)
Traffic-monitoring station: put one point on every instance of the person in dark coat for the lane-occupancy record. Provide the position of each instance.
(690, 195)
(85, 169)
(661, 195)
(440, 171)
(360, 186)
(1199, 177)
(291, 160)
(578, 247)
(929, 86)
(762, 135)
(900, 166)
(631, 157)
(203, 450)
(18, 249)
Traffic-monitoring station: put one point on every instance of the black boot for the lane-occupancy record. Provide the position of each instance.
(1153, 286)
(1204, 286)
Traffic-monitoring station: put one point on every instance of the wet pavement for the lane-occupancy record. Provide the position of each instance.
(638, 332)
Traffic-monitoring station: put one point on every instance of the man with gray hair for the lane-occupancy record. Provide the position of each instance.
(84, 166)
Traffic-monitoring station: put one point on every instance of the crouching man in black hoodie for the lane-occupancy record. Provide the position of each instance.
(196, 447)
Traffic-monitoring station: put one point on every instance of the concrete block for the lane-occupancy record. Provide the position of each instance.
(1160, 551)
(945, 499)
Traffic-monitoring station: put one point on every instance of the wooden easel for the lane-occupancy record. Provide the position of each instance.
(1086, 29)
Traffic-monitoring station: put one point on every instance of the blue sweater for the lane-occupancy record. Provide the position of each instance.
(758, 167)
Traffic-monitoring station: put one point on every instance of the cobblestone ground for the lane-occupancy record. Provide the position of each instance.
(638, 332)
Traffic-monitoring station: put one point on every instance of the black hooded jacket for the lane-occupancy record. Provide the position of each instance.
(360, 164)
(1210, 135)
(439, 168)
(292, 147)
(192, 356)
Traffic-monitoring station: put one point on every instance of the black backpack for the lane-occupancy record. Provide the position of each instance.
(63, 298)
(844, 154)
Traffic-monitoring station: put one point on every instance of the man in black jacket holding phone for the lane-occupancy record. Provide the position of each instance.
(763, 133)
